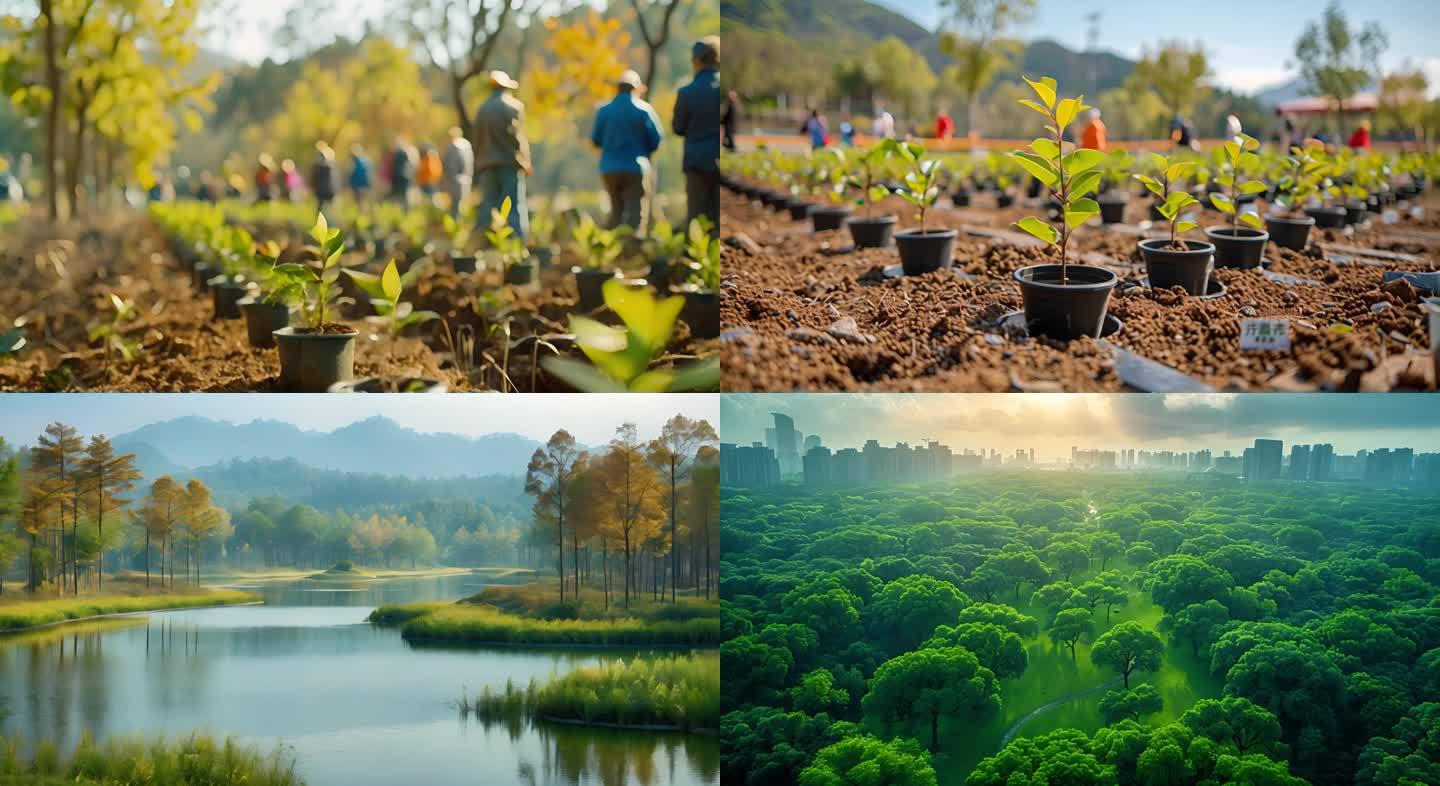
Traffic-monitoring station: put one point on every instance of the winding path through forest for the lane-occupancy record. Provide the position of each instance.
(1050, 705)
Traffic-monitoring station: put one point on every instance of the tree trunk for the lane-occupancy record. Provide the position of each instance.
(74, 173)
(147, 558)
(52, 112)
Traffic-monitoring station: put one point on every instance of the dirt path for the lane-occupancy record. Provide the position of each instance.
(1043, 708)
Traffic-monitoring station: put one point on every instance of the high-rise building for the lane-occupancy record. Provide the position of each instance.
(818, 468)
(1299, 462)
(1268, 457)
(1322, 461)
(848, 468)
(1201, 461)
(787, 446)
(748, 466)
(812, 441)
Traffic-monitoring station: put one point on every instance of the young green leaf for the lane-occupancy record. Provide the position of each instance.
(1039, 229)
(390, 282)
(1045, 88)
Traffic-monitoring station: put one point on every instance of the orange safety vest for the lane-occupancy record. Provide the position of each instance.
(430, 169)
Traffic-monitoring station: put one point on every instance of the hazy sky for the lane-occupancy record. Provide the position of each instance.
(1249, 42)
(591, 418)
(1051, 423)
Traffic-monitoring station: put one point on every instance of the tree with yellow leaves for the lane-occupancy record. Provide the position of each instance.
(626, 486)
(104, 477)
(577, 67)
(200, 521)
(159, 516)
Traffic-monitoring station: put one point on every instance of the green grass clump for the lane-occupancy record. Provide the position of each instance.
(399, 613)
(489, 625)
(542, 600)
(195, 761)
(17, 615)
(680, 692)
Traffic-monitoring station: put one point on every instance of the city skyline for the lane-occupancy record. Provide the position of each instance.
(1053, 424)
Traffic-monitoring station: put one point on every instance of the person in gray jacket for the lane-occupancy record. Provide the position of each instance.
(502, 153)
(697, 119)
(459, 163)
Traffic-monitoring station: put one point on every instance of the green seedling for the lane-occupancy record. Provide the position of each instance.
(1172, 200)
(702, 256)
(666, 242)
(1305, 178)
(457, 233)
(1238, 162)
(921, 182)
(620, 357)
(600, 248)
(866, 172)
(112, 331)
(1069, 176)
(506, 246)
(1116, 169)
(318, 293)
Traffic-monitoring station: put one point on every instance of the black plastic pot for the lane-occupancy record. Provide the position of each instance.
(1288, 232)
(1167, 267)
(1241, 247)
(381, 385)
(1004, 199)
(1112, 209)
(872, 232)
(262, 320)
(1065, 311)
(702, 313)
(1327, 217)
(201, 274)
(828, 219)
(659, 275)
(1355, 211)
(926, 252)
(961, 198)
(225, 298)
(522, 274)
(313, 362)
(464, 264)
(799, 209)
(591, 284)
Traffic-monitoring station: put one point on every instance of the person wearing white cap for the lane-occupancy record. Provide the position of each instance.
(502, 153)
(627, 132)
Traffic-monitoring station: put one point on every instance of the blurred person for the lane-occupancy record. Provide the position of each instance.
(235, 185)
(183, 188)
(884, 125)
(459, 166)
(1182, 133)
(1093, 135)
(944, 125)
(291, 185)
(1360, 140)
(627, 133)
(265, 178)
(815, 128)
(1232, 127)
(208, 190)
(730, 120)
(324, 179)
(847, 133)
(361, 178)
(404, 161)
(430, 171)
(502, 153)
(697, 119)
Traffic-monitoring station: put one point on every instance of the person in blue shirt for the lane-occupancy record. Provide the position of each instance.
(816, 128)
(627, 132)
(697, 119)
(360, 180)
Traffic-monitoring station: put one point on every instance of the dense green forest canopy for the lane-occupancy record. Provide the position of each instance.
(1255, 634)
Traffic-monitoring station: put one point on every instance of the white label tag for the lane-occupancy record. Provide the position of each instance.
(1264, 334)
(1389, 216)
(1417, 212)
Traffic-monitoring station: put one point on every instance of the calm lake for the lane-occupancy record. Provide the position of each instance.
(354, 703)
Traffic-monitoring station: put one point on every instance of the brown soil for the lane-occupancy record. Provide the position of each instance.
(57, 283)
(327, 329)
(807, 311)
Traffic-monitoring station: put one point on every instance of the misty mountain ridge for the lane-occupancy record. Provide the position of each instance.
(376, 445)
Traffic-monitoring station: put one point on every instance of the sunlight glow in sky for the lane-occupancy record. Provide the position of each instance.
(1052, 423)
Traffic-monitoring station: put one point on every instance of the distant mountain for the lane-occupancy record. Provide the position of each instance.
(237, 482)
(375, 445)
(831, 23)
(1293, 89)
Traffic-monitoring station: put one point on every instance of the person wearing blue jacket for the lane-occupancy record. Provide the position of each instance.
(360, 180)
(627, 132)
(697, 119)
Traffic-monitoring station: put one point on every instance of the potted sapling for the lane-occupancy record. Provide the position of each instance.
(702, 288)
(1326, 215)
(457, 235)
(1113, 197)
(1290, 228)
(922, 250)
(830, 182)
(1173, 261)
(227, 289)
(1238, 246)
(1062, 301)
(600, 250)
(268, 309)
(1003, 172)
(796, 175)
(866, 173)
(666, 246)
(320, 352)
(508, 249)
(396, 315)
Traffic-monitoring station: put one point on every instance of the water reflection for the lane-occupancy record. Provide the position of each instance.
(357, 704)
